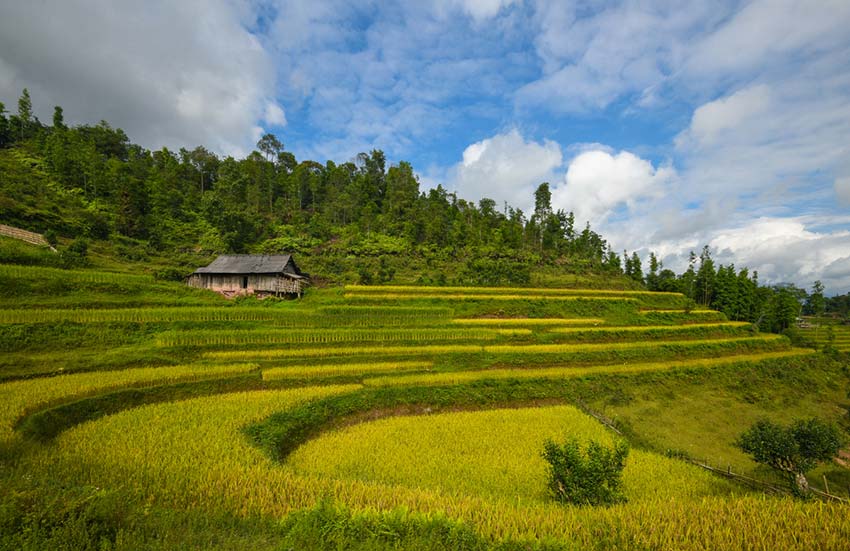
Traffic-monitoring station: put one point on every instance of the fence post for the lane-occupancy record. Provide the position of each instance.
(825, 484)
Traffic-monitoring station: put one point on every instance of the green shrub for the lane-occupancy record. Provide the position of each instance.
(792, 450)
(593, 476)
(171, 274)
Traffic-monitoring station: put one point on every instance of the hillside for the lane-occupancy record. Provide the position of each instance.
(140, 414)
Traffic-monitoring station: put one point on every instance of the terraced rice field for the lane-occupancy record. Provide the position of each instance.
(825, 332)
(295, 414)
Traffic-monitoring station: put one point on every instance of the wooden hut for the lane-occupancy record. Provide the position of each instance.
(251, 274)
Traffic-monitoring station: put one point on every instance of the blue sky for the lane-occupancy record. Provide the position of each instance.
(667, 125)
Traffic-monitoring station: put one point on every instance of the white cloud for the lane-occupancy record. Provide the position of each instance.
(764, 32)
(712, 120)
(274, 114)
(598, 182)
(169, 73)
(786, 249)
(477, 9)
(842, 190)
(594, 54)
(506, 167)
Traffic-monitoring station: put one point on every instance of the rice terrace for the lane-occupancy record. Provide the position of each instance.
(406, 412)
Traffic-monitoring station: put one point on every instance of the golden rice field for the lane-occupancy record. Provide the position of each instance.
(481, 467)
(332, 370)
(431, 350)
(566, 372)
(210, 466)
(514, 291)
(531, 322)
(493, 454)
(20, 397)
(483, 296)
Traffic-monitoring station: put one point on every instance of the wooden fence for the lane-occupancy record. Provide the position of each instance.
(768, 487)
(763, 485)
(24, 235)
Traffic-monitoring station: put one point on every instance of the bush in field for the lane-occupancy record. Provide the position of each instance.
(593, 476)
(76, 254)
(171, 274)
(792, 450)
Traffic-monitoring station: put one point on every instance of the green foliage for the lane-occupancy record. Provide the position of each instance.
(793, 450)
(75, 254)
(496, 272)
(87, 519)
(590, 476)
(331, 527)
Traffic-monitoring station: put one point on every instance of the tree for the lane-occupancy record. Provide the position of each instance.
(704, 281)
(652, 277)
(792, 450)
(542, 201)
(637, 270)
(5, 130)
(816, 303)
(58, 119)
(24, 113)
(270, 146)
(593, 476)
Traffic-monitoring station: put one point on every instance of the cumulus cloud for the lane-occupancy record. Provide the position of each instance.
(274, 114)
(506, 167)
(712, 120)
(788, 250)
(598, 182)
(170, 73)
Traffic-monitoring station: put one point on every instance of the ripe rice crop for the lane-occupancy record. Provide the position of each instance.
(649, 328)
(417, 289)
(699, 312)
(318, 336)
(383, 315)
(495, 454)
(152, 315)
(514, 332)
(770, 340)
(471, 296)
(191, 455)
(330, 370)
(20, 397)
(566, 372)
(507, 322)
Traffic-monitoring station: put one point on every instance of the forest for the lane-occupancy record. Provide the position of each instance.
(356, 221)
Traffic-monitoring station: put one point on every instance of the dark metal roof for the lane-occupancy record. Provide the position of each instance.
(251, 264)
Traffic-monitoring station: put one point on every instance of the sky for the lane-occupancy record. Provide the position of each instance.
(667, 125)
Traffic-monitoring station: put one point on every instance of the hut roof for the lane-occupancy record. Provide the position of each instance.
(252, 264)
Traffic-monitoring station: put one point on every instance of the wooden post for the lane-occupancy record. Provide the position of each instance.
(825, 484)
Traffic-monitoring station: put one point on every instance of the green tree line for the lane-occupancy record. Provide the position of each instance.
(270, 201)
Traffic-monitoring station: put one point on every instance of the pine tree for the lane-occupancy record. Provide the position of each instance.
(24, 114)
